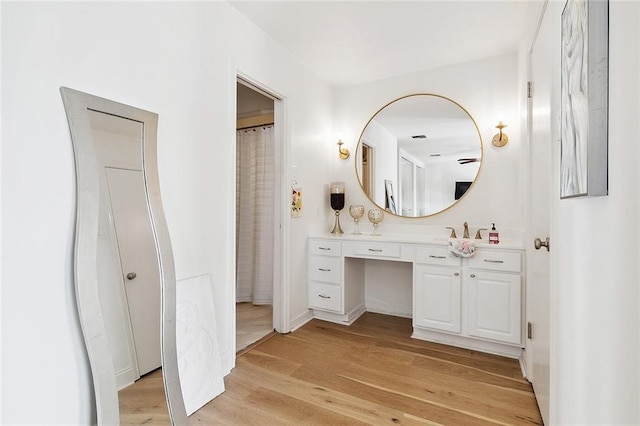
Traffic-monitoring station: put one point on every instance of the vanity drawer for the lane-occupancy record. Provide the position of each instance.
(436, 256)
(325, 296)
(377, 249)
(326, 248)
(324, 268)
(496, 260)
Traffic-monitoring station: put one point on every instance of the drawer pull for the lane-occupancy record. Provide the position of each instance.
(493, 261)
(473, 275)
(324, 297)
(437, 257)
(456, 274)
(324, 248)
(376, 250)
(324, 270)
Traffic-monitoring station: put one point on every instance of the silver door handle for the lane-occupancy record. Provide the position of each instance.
(131, 275)
(538, 243)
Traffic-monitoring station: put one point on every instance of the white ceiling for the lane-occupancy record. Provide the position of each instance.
(352, 42)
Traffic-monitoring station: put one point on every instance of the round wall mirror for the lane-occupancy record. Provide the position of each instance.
(418, 155)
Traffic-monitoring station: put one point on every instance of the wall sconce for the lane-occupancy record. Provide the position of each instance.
(500, 139)
(343, 153)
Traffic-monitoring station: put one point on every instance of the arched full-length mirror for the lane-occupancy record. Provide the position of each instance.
(124, 271)
(418, 155)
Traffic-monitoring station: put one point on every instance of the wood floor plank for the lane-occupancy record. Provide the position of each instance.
(487, 362)
(374, 372)
(330, 405)
(144, 403)
(432, 386)
(435, 413)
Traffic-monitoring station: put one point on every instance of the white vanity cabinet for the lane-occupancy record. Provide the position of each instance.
(471, 298)
(328, 269)
(325, 275)
(472, 302)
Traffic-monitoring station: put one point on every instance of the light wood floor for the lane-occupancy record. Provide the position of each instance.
(253, 322)
(143, 403)
(369, 373)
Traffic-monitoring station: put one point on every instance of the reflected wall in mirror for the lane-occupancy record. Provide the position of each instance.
(124, 271)
(422, 145)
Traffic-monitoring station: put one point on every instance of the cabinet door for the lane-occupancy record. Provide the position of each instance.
(494, 306)
(436, 298)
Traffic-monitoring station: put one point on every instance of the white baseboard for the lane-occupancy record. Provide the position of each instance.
(301, 320)
(347, 319)
(391, 313)
(468, 343)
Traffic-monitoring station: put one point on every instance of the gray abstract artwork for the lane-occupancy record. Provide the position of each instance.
(584, 80)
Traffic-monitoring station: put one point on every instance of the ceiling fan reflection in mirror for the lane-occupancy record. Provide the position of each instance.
(468, 160)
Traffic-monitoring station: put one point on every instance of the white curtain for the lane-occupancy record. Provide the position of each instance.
(255, 215)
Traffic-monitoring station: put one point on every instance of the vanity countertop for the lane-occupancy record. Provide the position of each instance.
(418, 239)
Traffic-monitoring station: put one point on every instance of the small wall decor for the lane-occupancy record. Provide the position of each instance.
(296, 201)
(584, 98)
(296, 195)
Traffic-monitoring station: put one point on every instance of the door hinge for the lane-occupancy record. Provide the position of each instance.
(529, 330)
(529, 89)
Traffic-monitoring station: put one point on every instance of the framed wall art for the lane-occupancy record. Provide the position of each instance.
(584, 98)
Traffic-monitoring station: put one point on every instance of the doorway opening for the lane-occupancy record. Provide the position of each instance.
(257, 213)
(366, 171)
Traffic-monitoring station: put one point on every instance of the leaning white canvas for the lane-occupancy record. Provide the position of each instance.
(199, 362)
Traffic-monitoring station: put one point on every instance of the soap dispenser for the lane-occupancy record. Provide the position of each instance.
(494, 237)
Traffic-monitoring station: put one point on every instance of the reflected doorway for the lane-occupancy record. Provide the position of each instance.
(367, 164)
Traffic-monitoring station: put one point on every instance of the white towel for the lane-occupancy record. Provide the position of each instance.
(462, 247)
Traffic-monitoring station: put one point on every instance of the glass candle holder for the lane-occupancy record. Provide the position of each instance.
(337, 204)
(375, 217)
(356, 212)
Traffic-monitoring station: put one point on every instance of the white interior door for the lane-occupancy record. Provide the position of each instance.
(538, 302)
(126, 239)
(139, 263)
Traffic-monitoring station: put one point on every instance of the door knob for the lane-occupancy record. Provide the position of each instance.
(538, 243)
(131, 275)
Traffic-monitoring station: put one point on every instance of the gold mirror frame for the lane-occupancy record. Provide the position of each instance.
(359, 155)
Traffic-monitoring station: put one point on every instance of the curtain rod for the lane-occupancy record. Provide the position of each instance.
(256, 126)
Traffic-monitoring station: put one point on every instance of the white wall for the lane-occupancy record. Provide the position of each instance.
(179, 60)
(488, 90)
(595, 324)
